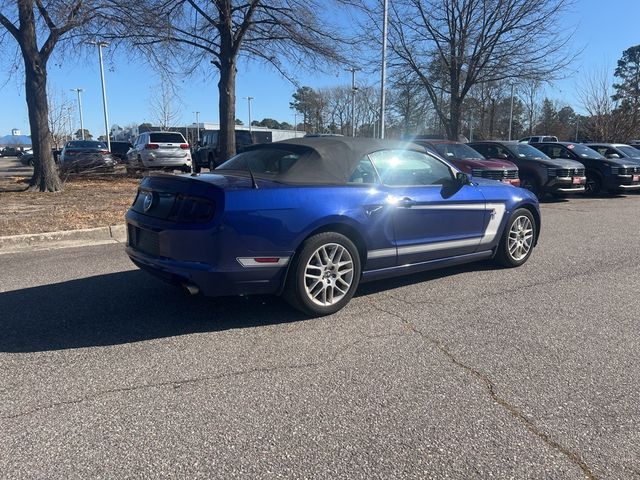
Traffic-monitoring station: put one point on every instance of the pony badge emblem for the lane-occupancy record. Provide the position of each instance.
(148, 201)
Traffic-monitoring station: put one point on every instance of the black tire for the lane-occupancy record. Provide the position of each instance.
(504, 256)
(593, 186)
(530, 183)
(298, 293)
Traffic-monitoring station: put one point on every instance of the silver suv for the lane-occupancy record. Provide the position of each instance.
(538, 139)
(166, 150)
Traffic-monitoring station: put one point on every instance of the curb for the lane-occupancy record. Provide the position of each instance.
(63, 239)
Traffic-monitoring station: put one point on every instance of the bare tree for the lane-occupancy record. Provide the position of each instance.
(28, 22)
(529, 94)
(453, 45)
(596, 96)
(221, 31)
(60, 109)
(163, 105)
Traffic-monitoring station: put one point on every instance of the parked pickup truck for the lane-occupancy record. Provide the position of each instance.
(610, 175)
(538, 173)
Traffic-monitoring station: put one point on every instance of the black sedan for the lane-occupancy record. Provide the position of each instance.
(86, 155)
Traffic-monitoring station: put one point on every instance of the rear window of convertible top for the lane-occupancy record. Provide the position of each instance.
(267, 161)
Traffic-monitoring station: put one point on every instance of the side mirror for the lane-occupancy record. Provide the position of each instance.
(502, 156)
(462, 179)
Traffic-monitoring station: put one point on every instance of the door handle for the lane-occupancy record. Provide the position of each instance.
(406, 202)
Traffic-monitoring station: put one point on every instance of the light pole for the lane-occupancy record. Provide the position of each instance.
(295, 123)
(577, 124)
(79, 92)
(197, 126)
(104, 91)
(354, 89)
(249, 103)
(511, 113)
(383, 73)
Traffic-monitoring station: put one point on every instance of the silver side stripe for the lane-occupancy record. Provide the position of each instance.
(460, 206)
(497, 211)
(263, 262)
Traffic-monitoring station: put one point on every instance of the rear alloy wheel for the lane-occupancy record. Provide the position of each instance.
(517, 240)
(593, 185)
(324, 275)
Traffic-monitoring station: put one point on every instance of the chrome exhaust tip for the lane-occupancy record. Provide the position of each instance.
(191, 288)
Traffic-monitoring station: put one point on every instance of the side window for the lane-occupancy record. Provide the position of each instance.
(406, 168)
(364, 173)
(609, 153)
(502, 152)
(483, 149)
(601, 150)
(550, 150)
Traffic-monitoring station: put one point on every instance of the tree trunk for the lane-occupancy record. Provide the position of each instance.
(45, 175)
(227, 109)
(453, 126)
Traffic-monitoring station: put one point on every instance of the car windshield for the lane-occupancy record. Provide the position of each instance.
(584, 151)
(457, 150)
(166, 138)
(87, 144)
(629, 151)
(265, 161)
(524, 150)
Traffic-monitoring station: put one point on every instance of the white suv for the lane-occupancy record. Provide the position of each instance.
(166, 150)
(538, 139)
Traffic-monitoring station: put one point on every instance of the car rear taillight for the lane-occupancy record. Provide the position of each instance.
(192, 209)
(151, 146)
(104, 151)
(184, 146)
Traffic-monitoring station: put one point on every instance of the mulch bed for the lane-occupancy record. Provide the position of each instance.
(87, 201)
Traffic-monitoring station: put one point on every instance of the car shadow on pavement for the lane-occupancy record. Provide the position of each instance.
(121, 308)
(132, 306)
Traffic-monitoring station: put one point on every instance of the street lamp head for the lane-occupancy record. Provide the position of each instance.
(99, 43)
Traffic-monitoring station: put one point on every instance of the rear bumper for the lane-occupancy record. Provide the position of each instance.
(151, 160)
(211, 281)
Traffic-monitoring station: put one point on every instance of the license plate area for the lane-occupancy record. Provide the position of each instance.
(144, 240)
(636, 178)
(576, 181)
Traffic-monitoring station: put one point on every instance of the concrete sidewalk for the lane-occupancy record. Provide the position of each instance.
(63, 239)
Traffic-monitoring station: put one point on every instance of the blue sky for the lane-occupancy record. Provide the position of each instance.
(604, 30)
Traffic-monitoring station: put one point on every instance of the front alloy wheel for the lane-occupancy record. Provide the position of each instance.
(517, 240)
(324, 274)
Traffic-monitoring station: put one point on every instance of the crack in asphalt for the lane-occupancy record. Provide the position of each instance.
(613, 267)
(574, 457)
(187, 381)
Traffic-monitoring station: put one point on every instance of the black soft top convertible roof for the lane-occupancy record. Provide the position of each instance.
(330, 160)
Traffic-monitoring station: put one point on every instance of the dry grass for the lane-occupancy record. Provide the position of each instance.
(85, 202)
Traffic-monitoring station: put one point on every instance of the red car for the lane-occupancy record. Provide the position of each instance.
(469, 161)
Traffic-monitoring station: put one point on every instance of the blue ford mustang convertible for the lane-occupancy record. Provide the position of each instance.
(311, 218)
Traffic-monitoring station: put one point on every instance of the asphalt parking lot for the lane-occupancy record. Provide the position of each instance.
(11, 166)
(470, 372)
